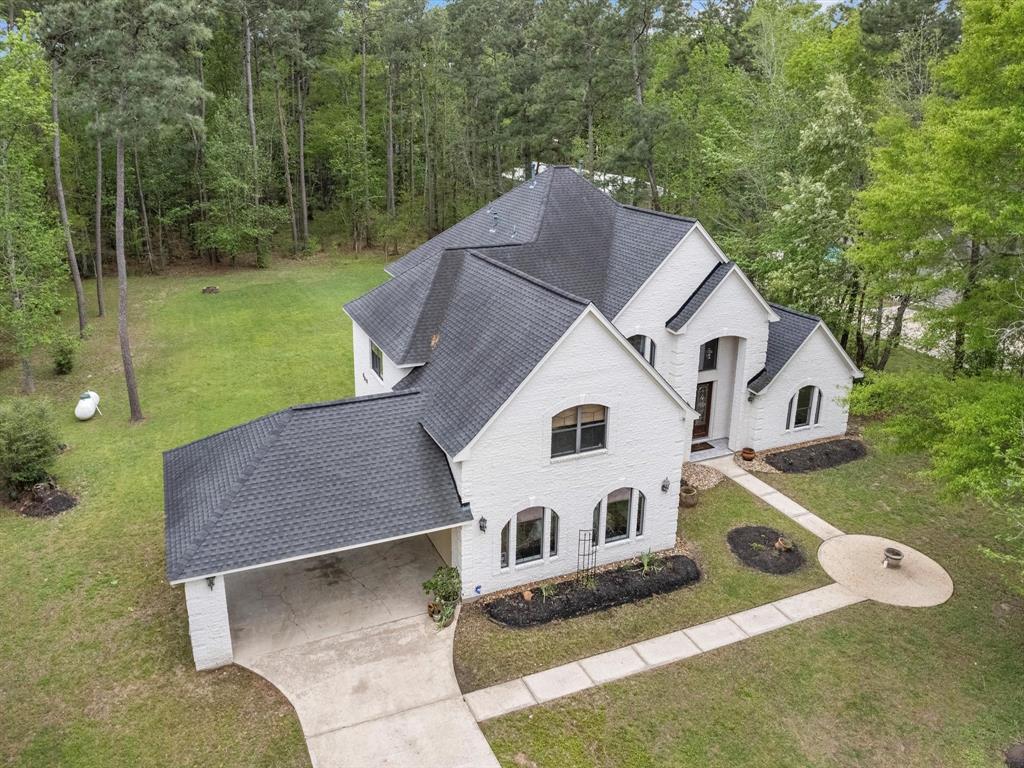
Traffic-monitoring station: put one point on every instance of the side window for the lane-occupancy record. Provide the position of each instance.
(708, 356)
(644, 345)
(804, 408)
(532, 534)
(579, 429)
(622, 511)
(377, 360)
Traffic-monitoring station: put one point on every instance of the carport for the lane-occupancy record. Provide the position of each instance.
(310, 522)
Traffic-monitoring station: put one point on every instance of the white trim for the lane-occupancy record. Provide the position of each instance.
(650, 278)
(733, 270)
(855, 371)
(270, 563)
(589, 310)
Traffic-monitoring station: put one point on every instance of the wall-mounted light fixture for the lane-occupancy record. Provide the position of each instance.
(210, 581)
(483, 523)
(665, 485)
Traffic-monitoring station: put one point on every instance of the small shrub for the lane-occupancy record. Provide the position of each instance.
(546, 591)
(29, 443)
(446, 587)
(589, 582)
(64, 351)
(650, 563)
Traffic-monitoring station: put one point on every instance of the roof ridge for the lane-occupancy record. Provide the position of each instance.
(652, 212)
(728, 264)
(351, 400)
(792, 311)
(236, 487)
(228, 429)
(528, 278)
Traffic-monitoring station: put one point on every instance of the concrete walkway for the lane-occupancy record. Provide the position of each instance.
(855, 562)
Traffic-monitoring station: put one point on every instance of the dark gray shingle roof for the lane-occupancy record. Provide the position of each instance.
(308, 479)
(700, 295)
(566, 232)
(785, 336)
(496, 326)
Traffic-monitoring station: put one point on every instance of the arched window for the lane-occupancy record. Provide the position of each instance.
(644, 345)
(532, 534)
(622, 513)
(804, 408)
(579, 429)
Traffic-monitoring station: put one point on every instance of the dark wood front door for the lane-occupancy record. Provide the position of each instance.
(702, 404)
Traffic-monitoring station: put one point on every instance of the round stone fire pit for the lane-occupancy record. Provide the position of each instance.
(913, 579)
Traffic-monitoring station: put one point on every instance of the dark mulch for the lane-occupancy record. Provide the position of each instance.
(45, 500)
(817, 456)
(610, 588)
(1015, 756)
(755, 545)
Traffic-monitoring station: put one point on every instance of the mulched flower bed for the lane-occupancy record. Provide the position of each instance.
(609, 588)
(1015, 756)
(45, 500)
(817, 456)
(755, 545)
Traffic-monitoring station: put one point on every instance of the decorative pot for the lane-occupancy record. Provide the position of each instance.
(433, 609)
(747, 454)
(687, 496)
(893, 558)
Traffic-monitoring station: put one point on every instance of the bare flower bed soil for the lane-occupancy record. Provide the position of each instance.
(817, 456)
(44, 500)
(759, 547)
(627, 584)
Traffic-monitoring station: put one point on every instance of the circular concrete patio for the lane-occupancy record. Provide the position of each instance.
(855, 561)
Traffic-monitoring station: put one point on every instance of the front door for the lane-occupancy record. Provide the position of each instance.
(702, 404)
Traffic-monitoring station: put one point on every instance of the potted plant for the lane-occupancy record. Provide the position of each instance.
(687, 496)
(747, 454)
(446, 588)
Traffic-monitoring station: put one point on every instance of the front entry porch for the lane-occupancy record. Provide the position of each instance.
(718, 447)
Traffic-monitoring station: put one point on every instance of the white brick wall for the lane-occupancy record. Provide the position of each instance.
(819, 363)
(367, 382)
(208, 623)
(510, 467)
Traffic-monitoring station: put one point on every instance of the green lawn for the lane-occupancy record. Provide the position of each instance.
(869, 685)
(95, 666)
(486, 653)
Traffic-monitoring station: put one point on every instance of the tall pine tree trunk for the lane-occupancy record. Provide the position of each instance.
(286, 162)
(28, 384)
(390, 191)
(76, 276)
(303, 207)
(250, 106)
(122, 289)
(147, 238)
(100, 306)
(638, 89)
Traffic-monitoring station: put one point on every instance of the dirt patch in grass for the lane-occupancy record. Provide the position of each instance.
(569, 599)
(765, 548)
(1015, 756)
(44, 500)
(817, 456)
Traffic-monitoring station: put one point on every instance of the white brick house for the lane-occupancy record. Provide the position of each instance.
(537, 376)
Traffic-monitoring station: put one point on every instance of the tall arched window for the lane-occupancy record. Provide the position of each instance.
(579, 429)
(622, 514)
(804, 408)
(532, 535)
(644, 345)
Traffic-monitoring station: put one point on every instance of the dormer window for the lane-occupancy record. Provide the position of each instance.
(644, 345)
(578, 429)
(377, 360)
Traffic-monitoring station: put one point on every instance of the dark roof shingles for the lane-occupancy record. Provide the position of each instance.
(699, 296)
(785, 336)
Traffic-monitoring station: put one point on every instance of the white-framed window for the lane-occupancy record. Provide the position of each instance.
(579, 429)
(619, 515)
(532, 534)
(804, 408)
(644, 345)
(377, 361)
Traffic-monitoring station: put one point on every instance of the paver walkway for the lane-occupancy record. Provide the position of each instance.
(854, 561)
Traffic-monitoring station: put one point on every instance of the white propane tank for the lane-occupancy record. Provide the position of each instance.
(88, 406)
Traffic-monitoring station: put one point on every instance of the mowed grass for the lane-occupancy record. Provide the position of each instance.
(95, 664)
(487, 653)
(869, 685)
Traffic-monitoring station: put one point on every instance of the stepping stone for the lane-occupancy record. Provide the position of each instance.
(613, 665)
(667, 648)
(499, 699)
(817, 602)
(817, 526)
(557, 682)
(727, 466)
(762, 619)
(715, 634)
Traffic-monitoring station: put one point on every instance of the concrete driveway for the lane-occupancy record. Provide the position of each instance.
(347, 640)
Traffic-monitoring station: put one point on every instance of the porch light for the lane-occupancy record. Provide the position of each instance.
(210, 581)
(483, 524)
(665, 485)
